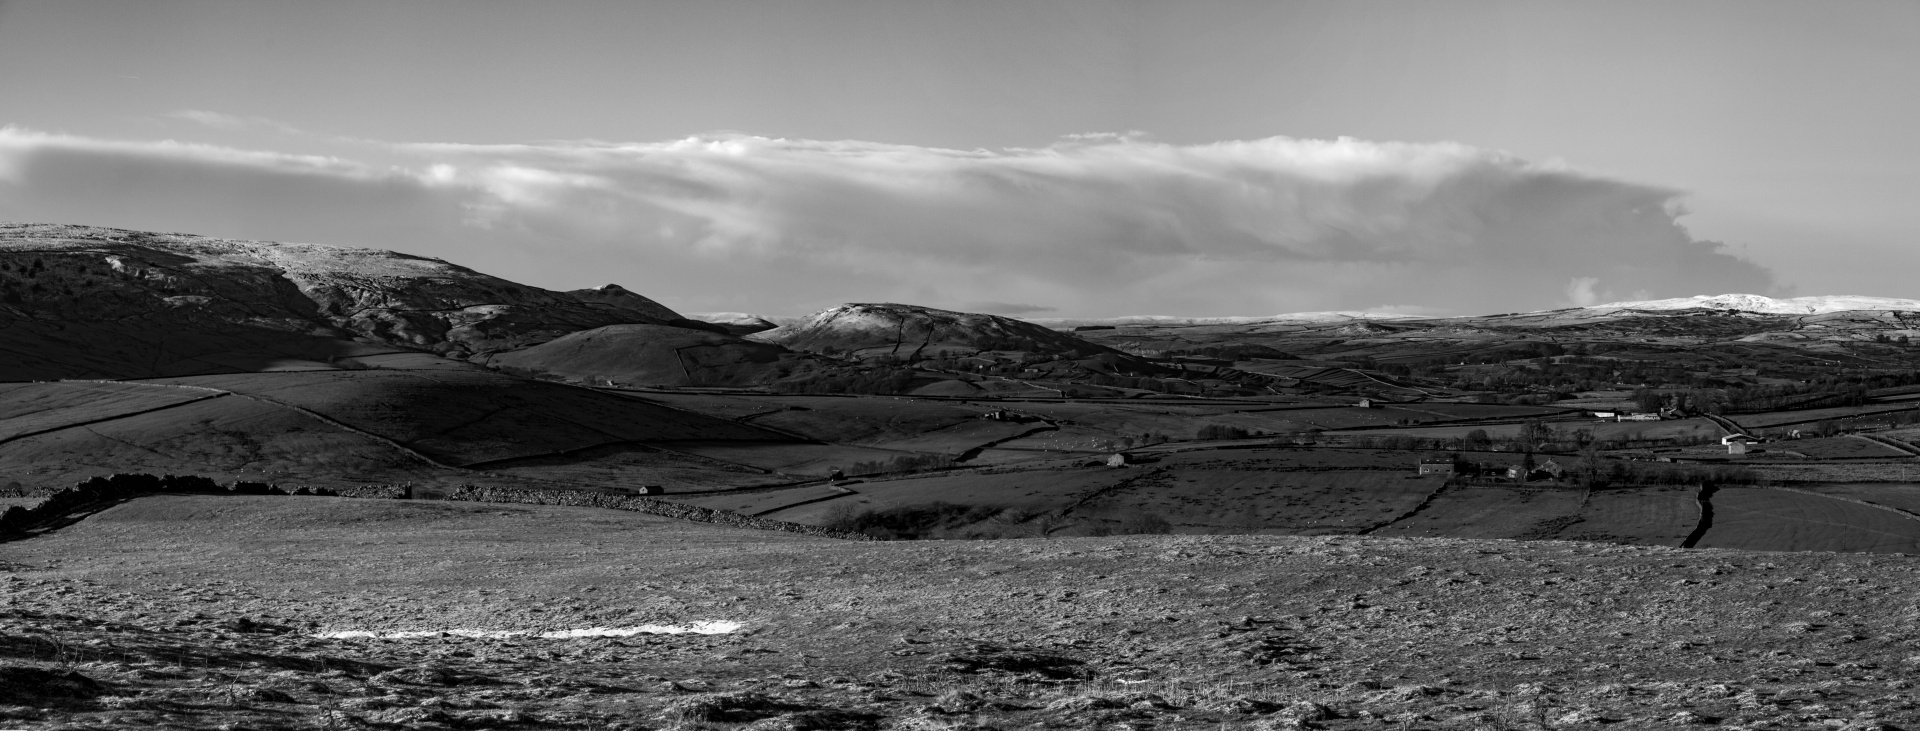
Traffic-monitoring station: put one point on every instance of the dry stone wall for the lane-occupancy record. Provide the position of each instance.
(577, 498)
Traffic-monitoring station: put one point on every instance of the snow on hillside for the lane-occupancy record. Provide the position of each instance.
(1813, 305)
(1299, 317)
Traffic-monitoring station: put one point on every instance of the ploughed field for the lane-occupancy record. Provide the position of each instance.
(229, 611)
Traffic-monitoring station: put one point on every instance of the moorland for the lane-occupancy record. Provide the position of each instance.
(1665, 513)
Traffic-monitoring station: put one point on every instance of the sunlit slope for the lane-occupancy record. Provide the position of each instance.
(652, 355)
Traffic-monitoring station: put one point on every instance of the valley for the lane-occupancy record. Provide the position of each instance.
(1653, 514)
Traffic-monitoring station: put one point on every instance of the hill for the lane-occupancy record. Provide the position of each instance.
(344, 428)
(911, 332)
(653, 355)
(1816, 305)
(81, 301)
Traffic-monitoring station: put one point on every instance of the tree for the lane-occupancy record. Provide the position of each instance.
(1477, 440)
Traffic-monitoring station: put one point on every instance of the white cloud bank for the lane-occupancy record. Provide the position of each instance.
(1095, 226)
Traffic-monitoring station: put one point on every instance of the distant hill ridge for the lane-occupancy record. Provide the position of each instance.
(1811, 305)
(913, 331)
(88, 301)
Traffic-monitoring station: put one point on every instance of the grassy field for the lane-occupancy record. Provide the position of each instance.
(789, 458)
(26, 408)
(1808, 416)
(1837, 448)
(1491, 512)
(1238, 501)
(1762, 519)
(1648, 516)
(1039, 490)
(632, 466)
(760, 503)
(226, 438)
(462, 417)
(716, 405)
(865, 421)
(1603, 430)
(1905, 496)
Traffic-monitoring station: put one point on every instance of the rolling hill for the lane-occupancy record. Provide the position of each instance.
(912, 332)
(82, 301)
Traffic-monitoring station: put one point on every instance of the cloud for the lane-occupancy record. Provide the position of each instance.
(1095, 225)
(1580, 291)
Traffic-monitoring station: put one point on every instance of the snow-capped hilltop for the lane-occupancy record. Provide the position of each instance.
(898, 328)
(1289, 318)
(1758, 303)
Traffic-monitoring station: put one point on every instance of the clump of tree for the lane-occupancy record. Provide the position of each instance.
(910, 522)
(902, 463)
(1222, 431)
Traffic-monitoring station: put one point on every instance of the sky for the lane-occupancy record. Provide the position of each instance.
(1034, 158)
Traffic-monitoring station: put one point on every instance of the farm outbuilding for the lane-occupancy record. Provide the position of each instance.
(1119, 459)
(1436, 466)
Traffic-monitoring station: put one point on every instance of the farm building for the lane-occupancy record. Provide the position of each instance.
(1436, 466)
(1119, 459)
(1603, 414)
(1365, 403)
(1637, 417)
(1548, 469)
(1738, 443)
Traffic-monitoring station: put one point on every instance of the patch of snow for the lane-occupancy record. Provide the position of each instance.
(1300, 317)
(1812, 305)
(716, 627)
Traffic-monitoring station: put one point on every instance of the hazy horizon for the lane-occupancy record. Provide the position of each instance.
(1046, 160)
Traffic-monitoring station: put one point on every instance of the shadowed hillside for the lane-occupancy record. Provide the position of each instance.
(82, 301)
